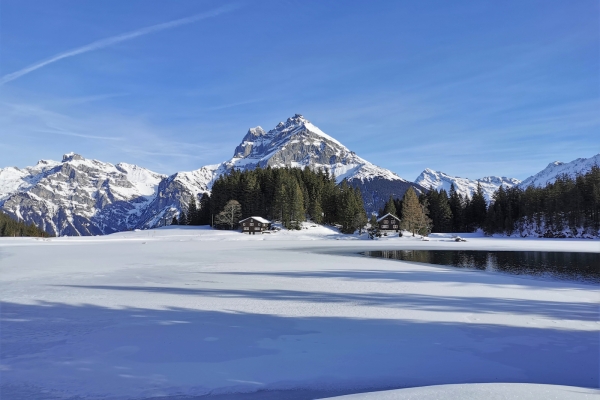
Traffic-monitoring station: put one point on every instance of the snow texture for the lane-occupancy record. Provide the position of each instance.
(191, 311)
(556, 168)
(481, 391)
(465, 186)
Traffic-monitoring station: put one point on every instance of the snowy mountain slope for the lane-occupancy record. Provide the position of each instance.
(298, 143)
(78, 196)
(13, 179)
(174, 194)
(293, 143)
(556, 168)
(465, 186)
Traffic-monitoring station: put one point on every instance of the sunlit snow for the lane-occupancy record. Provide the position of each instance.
(192, 311)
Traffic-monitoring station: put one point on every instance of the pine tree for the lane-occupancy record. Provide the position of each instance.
(390, 207)
(204, 211)
(193, 216)
(174, 221)
(456, 204)
(295, 206)
(439, 210)
(478, 208)
(411, 212)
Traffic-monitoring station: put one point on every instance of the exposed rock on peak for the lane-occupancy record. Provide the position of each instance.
(87, 197)
(71, 157)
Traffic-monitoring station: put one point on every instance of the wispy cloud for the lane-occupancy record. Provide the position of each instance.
(80, 135)
(99, 44)
(236, 104)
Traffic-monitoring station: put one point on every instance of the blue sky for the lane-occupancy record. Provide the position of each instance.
(469, 88)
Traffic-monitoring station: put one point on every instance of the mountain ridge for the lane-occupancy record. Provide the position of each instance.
(556, 168)
(430, 178)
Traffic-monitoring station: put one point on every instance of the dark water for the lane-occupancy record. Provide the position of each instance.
(562, 265)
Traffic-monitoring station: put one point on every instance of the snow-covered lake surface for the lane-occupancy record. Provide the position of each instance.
(291, 315)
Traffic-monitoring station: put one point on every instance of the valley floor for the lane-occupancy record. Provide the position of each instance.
(187, 311)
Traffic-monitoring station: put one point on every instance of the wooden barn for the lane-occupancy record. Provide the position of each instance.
(389, 223)
(251, 225)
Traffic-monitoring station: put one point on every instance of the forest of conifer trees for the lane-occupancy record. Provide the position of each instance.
(11, 227)
(569, 207)
(288, 195)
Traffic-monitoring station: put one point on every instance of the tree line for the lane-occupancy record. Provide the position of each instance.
(12, 227)
(567, 207)
(288, 195)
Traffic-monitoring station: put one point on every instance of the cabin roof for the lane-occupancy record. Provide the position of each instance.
(259, 219)
(391, 215)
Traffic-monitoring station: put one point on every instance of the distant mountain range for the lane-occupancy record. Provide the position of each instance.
(78, 196)
(466, 187)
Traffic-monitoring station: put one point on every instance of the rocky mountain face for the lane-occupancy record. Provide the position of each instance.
(78, 196)
(556, 168)
(466, 187)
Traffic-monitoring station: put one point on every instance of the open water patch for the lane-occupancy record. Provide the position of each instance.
(584, 267)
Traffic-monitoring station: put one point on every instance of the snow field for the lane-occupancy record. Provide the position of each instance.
(192, 311)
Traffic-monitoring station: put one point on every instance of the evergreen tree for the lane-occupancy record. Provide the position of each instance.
(456, 204)
(439, 210)
(411, 212)
(373, 229)
(183, 220)
(193, 216)
(478, 208)
(204, 215)
(423, 223)
(398, 205)
(16, 228)
(390, 207)
(295, 206)
(174, 221)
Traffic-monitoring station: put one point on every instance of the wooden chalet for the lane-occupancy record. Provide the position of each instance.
(251, 225)
(389, 223)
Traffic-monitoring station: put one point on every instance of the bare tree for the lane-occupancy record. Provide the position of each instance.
(231, 214)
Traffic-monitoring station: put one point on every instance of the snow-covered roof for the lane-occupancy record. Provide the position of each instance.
(259, 219)
(391, 215)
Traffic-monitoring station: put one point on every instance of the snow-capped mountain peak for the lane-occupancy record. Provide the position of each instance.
(299, 143)
(430, 178)
(556, 168)
(293, 143)
(78, 196)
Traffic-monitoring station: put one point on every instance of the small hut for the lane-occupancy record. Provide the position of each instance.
(388, 223)
(251, 225)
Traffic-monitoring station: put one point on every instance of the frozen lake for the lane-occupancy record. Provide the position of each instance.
(194, 312)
